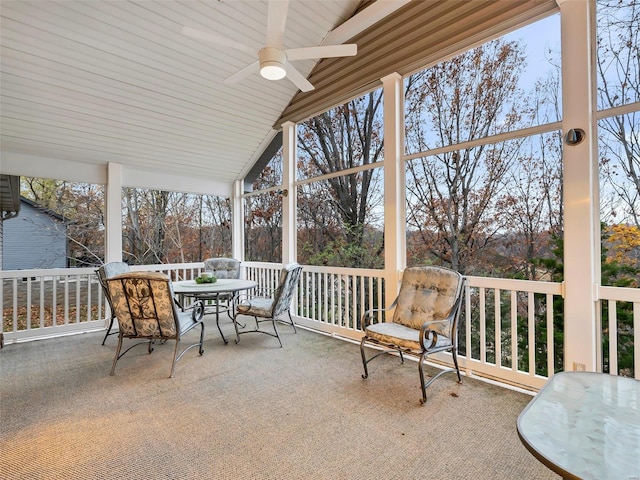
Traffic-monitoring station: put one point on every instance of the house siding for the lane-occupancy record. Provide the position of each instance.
(33, 239)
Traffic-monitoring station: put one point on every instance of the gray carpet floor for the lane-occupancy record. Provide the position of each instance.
(248, 411)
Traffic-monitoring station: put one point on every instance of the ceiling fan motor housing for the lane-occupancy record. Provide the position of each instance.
(272, 62)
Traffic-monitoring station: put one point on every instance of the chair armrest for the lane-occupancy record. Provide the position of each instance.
(197, 311)
(367, 315)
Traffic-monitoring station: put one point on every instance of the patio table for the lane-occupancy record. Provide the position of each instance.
(214, 291)
(585, 425)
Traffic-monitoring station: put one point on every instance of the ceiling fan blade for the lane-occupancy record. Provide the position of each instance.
(326, 51)
(375, 12)
(217, 39)
(276, 21)
(297, 79)
(243, 73)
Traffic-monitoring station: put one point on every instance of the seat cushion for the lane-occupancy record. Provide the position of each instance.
(406, 337)
(186, 321)
(258, 306)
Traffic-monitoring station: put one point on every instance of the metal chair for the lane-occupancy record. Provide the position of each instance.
(264, 308)
(221, 268)
(145, 308)
(425, 320)
(105, 272)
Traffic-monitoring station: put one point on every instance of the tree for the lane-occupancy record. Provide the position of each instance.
(455, 198)
(618, 70)
(82, 206)
(263, 216)
(345, 137)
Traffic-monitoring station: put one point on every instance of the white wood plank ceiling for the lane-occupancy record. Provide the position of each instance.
(102, 81)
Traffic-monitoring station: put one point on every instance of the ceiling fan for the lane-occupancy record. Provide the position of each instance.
(274, 62)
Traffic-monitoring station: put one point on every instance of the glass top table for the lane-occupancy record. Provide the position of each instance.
(214, 292)
(585, 425)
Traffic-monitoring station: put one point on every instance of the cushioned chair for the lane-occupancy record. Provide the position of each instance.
(271, 308)
(425, 320)
(221, 268)
(105, 272)
(145, 308)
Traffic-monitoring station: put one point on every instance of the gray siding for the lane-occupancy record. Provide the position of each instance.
(33, 239)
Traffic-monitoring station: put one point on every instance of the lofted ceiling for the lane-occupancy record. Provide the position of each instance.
(88, 82)
(116, 81)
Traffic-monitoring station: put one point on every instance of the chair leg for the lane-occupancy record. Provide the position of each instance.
(275, 329)
(108, 330)
(202, 338)
(115, 359)
(292, 322)
(235, 325)
(423, 400)
(454, 354)
(364, 358)
(175, 355)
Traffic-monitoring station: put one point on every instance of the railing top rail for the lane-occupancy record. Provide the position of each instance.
(371, 272)
(535, 286)
(619, 294)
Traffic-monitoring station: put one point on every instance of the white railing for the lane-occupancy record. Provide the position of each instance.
(42, 303)
(50, 302)
(620, 313)
(506, 329)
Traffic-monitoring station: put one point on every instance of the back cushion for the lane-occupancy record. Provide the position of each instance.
(223, 267)
(143, 304)
(426, 294)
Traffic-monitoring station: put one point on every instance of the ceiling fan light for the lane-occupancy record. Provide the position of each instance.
(272, 70)
(272, 63)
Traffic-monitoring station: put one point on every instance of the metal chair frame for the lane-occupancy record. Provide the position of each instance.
(427, 347)
(280, 304)
(196, 311)
(103, 273)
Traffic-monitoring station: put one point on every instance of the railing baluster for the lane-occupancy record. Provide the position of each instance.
(531, 332)
(550, 337)
(613, 337)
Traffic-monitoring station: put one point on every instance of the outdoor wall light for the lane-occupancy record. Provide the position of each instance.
(284, 193)
(574, 136)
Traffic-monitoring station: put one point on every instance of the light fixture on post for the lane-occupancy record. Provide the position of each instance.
(272, 62)
(574, 136)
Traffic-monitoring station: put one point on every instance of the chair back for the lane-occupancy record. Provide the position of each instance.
(283, 295)
(223, 267)
(107, 271)
(426, 294)
(144, 306)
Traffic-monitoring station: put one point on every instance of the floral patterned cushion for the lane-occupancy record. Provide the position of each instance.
(143, 304)
(223, 267)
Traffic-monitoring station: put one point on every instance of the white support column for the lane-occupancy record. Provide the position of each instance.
(237, 221)
(113, 200)
(581, 199)
(395, 219)
(289, 237)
